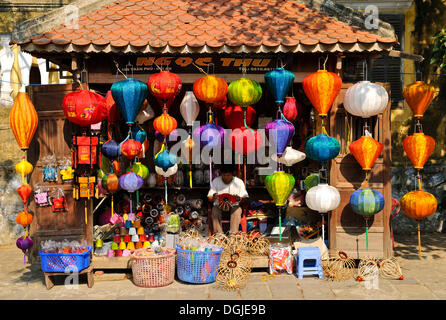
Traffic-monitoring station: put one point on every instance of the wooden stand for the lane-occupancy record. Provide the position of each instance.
(49, 282)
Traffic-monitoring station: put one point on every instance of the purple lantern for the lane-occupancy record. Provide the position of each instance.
(24, 243)
(110, 149)
(209, 134)
(280, 133)
(131, 182)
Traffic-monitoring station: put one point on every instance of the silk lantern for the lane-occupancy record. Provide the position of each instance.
(245, 141)
(366, 99)
(165, 86)
(84, 107)
(165, 160)
(210, 89)
(367, 202)
(24, 168)
(24, 192)
(209, 135)
(322, 148)
(323, 198)
(290, 108)
(289, 157)
(167, 173)
(189, 108)
(24, 219)
(280, 133)
(418, 96)
(130, 148)
(112, 110)
(418, 205)
(23, 120)
(110, 149)
(165, 124)
(129, 95)
(366, 150)
(145, 114)
(131, 182)
(322, 88)
(24, 243)
(419, 148)
(279, 186)
(138, 134)
(244, 92)
(140, 170)
(110, 182)
(235, 116)
(279, 81)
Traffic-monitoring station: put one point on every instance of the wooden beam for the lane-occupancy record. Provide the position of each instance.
(404, 55)
(188, 78)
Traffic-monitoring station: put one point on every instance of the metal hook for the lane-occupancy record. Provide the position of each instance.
(131, 65)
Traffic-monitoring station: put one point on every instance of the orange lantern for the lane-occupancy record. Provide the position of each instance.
(418, 96)
(165, 124)
(418, 148)
(24, 192)
(366, 150)
(322, 88)
(210, 89)
(24, 219)
(418, 205)
(23, 120)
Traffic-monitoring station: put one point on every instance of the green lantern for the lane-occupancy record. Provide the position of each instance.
(244, 92)
(140, 169)
(279, 185)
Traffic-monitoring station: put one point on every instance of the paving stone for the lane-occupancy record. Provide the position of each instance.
(255, 291)
(417, 292)
(215, 293)
(193, 294)
(291, 292)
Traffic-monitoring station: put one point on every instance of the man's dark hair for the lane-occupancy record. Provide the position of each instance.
(227, 168)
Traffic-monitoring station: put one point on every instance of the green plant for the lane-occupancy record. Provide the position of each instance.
(438, 57)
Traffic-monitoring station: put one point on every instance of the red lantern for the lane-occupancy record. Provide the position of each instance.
(234, 116)
(221, 104)
(245, 140)
(84, 107)
(290, 109)
(164, 85)
(113, 113)
(322, 88)
(210, 89)
(131, 148)
(366, 150)
(165, 124)
(24, 192)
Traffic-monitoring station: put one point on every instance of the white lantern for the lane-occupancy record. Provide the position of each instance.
(145, 115)
(168, 173)
(290, 157)
(323, 198)
(189, 108)
(366, 99)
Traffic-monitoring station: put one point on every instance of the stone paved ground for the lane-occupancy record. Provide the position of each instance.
(424, 279)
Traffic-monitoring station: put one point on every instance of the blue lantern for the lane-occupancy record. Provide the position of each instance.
(280, 133)
(279, 82)
(322, 148)
(165, 160)
(110, 149)
(139, 134)
(129, 95)
(367, 202)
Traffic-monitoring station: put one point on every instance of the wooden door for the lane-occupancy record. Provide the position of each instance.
(54, 137)
(347, 229)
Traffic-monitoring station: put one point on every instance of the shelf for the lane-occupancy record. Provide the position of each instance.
(194, 188)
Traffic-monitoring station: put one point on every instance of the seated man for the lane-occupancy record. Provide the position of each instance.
(227, 183)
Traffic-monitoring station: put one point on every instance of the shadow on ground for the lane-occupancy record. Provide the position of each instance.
(432, 244)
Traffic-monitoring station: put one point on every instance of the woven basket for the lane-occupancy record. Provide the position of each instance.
(153, 270)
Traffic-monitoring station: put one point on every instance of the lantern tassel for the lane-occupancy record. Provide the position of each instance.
(280, 224)
(323, 228)
(190, 175)
(244, 170)
(85, 211)
(137, 199)
(419, 240)
(131, 204)
(112, 205)
(165, 189)
(366, 235)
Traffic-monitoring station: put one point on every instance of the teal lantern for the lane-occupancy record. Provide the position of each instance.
(165, 160)
(279, 81)
(322, 148)
(244, 92)
(129, 95)
(367, 202)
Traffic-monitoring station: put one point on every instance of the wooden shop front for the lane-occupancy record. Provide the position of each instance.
(97, 65)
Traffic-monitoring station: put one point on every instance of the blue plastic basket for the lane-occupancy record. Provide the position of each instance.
(197, 266)
(58, 262)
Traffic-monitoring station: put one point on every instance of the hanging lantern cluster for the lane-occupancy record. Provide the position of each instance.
(418, 204)
(23, 121)
(366, 99)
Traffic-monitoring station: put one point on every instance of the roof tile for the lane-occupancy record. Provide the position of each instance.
(207, 22)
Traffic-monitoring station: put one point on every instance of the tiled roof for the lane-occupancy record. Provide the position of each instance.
(186, 26)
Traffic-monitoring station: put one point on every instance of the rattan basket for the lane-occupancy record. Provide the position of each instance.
(157, 270)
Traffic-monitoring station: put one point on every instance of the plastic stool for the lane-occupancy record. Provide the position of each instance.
(309, 253)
